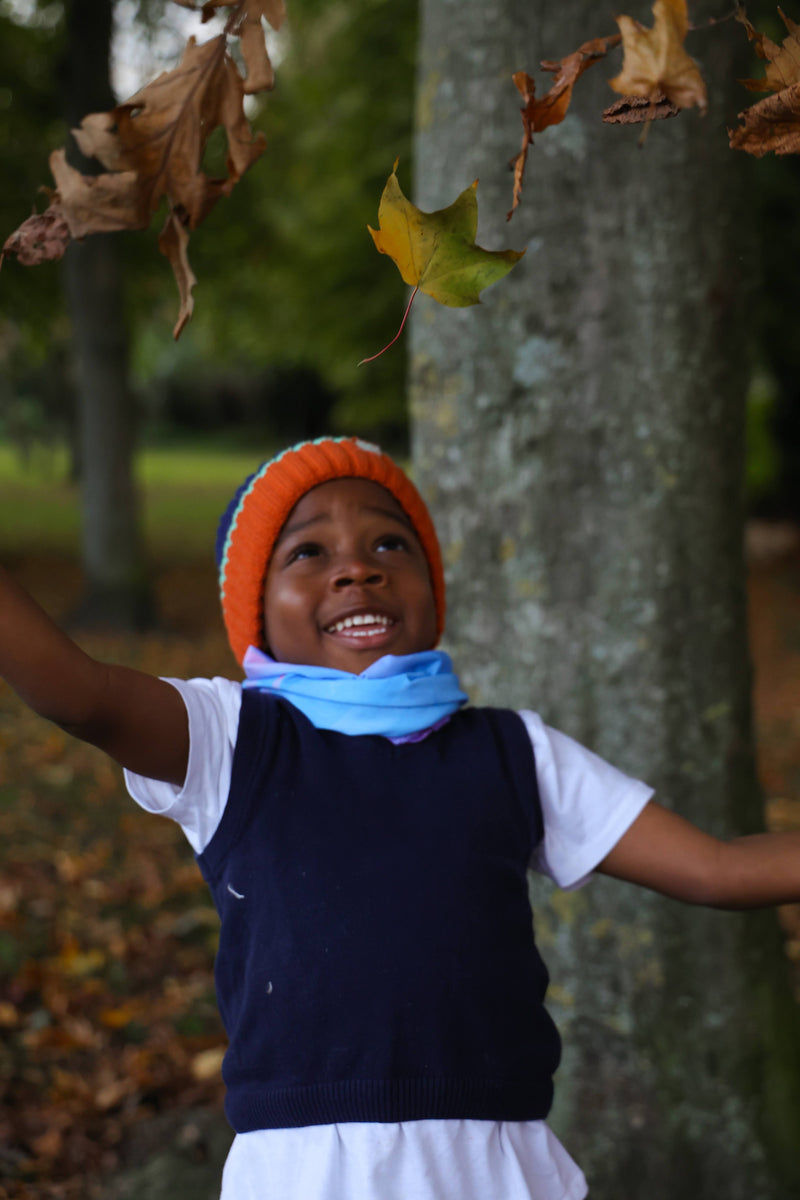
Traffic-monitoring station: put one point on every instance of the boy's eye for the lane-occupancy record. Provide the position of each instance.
(304, 550)
(392, 541)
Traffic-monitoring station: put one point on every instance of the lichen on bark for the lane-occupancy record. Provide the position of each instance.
(580, 438)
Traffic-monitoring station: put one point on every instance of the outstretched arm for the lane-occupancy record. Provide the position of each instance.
(137, 719)
(664, 852)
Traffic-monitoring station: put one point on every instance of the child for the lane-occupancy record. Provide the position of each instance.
(366, 839)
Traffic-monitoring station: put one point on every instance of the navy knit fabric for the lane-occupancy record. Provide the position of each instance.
(376, 957)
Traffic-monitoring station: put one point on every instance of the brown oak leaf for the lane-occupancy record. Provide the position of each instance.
(635, 110)
(772, 124)
(152, 148)
(246, 24)
(552, 108)
(160, 133)
(44, 237)
(656, 61)
(783, 62)
(173, 242)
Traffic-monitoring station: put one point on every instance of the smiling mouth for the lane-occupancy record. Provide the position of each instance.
(362, 626)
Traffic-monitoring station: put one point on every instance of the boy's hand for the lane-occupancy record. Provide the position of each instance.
(137, 719)
(664, 852)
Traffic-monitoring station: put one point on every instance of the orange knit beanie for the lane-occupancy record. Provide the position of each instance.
(255, 516)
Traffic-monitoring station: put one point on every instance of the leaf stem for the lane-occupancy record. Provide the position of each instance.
(397, 335)
(716, 20)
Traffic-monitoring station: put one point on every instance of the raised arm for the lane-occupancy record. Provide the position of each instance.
(664, 852)
(137, 719)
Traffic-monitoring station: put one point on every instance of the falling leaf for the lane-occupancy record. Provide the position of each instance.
(783, 62)
(152, 148)
(44, 237)
(436, 252)
(772, 124)
(173, 242)
(161, 133)
(634, 110)
(552, 108)
(656, 61)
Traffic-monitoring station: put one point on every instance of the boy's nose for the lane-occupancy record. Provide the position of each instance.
(357, 572)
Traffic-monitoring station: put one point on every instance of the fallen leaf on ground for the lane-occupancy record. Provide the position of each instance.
(655, 59)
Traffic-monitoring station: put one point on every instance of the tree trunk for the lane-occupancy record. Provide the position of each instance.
(116, 588)
(580, 439)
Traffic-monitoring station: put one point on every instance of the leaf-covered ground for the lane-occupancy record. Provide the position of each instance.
(107, 1016)
(107, 1011)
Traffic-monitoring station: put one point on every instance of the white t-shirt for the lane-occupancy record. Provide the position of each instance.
(586, 805)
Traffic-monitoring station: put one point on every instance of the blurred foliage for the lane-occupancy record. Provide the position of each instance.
(763, 454)
(287, 270)
(32, 312)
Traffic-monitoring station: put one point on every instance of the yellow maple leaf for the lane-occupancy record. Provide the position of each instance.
(655, 59)
(436, 252)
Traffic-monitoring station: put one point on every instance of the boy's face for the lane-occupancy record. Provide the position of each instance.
(348, 581)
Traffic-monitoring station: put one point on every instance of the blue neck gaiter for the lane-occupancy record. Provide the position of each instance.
(401, 697)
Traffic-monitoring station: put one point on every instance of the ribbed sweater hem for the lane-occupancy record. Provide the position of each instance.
(251, 1107)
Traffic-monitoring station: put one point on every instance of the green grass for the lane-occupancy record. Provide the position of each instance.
(184, 491)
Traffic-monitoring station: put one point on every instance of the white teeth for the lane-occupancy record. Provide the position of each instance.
(360, 619)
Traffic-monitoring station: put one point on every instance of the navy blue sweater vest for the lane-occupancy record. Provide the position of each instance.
(376, 958)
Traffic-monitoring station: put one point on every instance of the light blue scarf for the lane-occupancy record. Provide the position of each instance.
(401, 697)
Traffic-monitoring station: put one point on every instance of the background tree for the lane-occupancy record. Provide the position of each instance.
(116, 587)
(580, 438)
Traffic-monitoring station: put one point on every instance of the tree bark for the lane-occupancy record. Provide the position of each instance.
(580, 439)
(116, 583)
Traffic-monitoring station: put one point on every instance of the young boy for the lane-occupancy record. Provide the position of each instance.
(366, 838)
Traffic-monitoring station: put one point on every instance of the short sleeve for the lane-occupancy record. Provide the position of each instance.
(213, 707)
(587, 805)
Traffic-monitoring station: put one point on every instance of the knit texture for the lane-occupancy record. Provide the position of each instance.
(255, 516)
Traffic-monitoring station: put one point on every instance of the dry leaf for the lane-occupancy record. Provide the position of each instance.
(552, 108)
(208, 1063)
(772, 124)
(161, 133)
(99, 203)
(273, 11)
(783, 62)
(656, 61)
(44, 237)
(173, 243)
(635, 110)
(152, 147)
